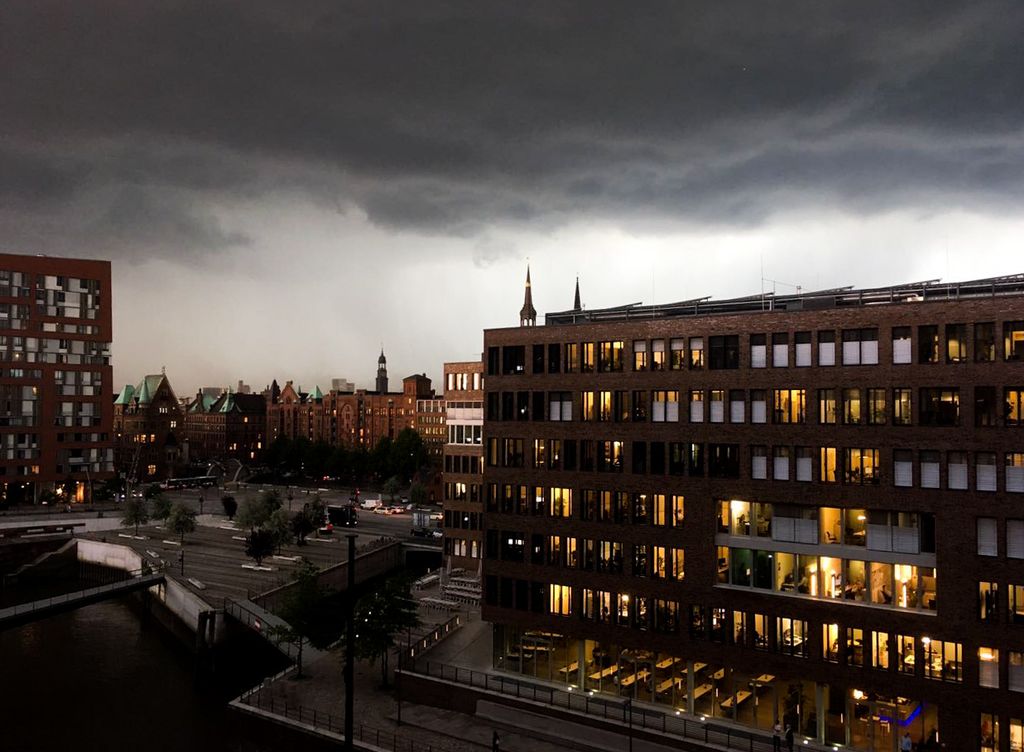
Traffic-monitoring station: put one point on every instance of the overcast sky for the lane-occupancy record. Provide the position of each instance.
(283, 187)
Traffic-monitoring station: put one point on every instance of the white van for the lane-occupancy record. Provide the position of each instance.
(371, 503)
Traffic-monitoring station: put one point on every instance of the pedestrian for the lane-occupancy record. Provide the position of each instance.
(906, 745)
(494, 742)
(789, 737)
(777, 736)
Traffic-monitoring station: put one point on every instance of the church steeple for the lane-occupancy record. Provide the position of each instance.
(576, 306)
(382, 373)
(528, 314)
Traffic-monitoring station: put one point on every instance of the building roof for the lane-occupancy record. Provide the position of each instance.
(125, 397)
(147, 388)
(839, 297)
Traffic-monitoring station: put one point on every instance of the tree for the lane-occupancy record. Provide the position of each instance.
(161, 507)
(418, 494)
(181, 520)
(391, 486)
(259, 544)
(302, 524)
(280, 525)
(255, 512)
(302, 608)
(380, 617)
(230, 505)
(408, 454)
(152, 491)
(135, 514)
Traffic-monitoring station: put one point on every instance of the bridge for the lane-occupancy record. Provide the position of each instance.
(23, 613)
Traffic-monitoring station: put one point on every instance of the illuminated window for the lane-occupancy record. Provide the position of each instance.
(560, 600)
(988, 667)
(151, 470)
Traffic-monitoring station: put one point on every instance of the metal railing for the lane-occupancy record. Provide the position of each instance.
(621, 711)
(322, 721)
(423, 643)
(131, 580)
(254, 621)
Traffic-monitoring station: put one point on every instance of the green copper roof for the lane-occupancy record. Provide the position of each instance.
(316, 394)
(125, 397)
(229, 402)
(147, 388)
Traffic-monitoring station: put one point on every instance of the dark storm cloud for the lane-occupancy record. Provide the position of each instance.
(129, 120)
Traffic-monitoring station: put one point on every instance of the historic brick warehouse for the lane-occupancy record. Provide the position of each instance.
(805, 507)
(55, 421)
(463, 464)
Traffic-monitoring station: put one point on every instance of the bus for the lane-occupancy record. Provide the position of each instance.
(343, 515)
(202, 481)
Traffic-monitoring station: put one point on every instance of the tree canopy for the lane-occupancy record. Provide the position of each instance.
(181, 520)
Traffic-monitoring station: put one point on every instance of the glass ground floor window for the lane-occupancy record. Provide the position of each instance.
(741, 693)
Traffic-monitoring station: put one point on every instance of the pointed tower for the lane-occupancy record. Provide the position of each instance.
(382, 373)
(576, 306)
(528, 314)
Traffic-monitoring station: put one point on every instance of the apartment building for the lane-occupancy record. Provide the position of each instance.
(463, 464)
(55, 373)
(807, 508)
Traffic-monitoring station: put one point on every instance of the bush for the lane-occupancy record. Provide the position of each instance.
(230, 505)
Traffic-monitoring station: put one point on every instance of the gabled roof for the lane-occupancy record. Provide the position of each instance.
(147, 388)
(125, 397)
(202, 403)
(316, 394)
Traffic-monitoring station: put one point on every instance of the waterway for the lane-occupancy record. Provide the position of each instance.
(108, 677)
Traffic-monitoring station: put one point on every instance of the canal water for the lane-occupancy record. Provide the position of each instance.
(109, 677)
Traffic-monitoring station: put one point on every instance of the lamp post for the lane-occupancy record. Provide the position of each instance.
(350, 649)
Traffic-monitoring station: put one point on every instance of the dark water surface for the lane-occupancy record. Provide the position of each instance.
(109, 677)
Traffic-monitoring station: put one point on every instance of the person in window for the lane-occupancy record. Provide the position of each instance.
(886, 595)
(789, 737)
(906, 745)
(804, 586)
(777, 737)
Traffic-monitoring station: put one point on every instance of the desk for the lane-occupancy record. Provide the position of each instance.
(604, 673)
(633, 678)
(718, 675)
(572, 668)
(666, 685)
(702, 690)
(697, 668)
(764, 679)
(668, 662)
(741, 697)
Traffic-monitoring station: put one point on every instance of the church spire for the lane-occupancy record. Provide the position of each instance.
(382, 372)
(576, 306)
(528, 314)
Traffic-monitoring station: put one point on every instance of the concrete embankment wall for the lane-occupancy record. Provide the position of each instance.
(16, 553)
(190, 610)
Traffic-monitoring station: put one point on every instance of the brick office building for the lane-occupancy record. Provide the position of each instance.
(805, 507)
(463, 463)
(231, 425)
(55, 373)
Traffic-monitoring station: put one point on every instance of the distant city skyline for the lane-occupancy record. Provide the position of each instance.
(281, 192)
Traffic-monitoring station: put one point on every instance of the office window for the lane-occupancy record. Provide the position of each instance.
(902, 401)
(830, 642)
(724, 352)
(930, 469)
(658, 355)
(758, 406)
(905, 658)
(780, 350)
(803, 349)
(696, 352)
(956, 468)
(758, 351)
(677, 353)
(940, 407)
(851, 406)
(717, 406)
(1016, 604)
(604, 406)
(792, 635)
(988, 601)
(589, 359)
(988, 733)
(988, 667)
(827, 348)
(860, 347)
(986, 408)
(902, 352)
(880, 650)
(560, 600)
(860, 466)
(876, 407)
(827, 465)
(554, 358)
(903, 468)
(665, 406)
(827, 410)
(588, 406)
(780, 463)
(928, 344)
(737, 403)
(1015, 539)
(1015, 678)
(790, 405)
(610, 359)
(988, 543)
(1013, 340)
(572, 357)
(560, 406)
(639, 406)
(943, 659)
(696, 406)
(1014, 469)
(639, 355)
(1013, 411)
(804, 464)
(956, 343)
(560, 504)
(985, 471)
(985, 342)
(759, 462)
